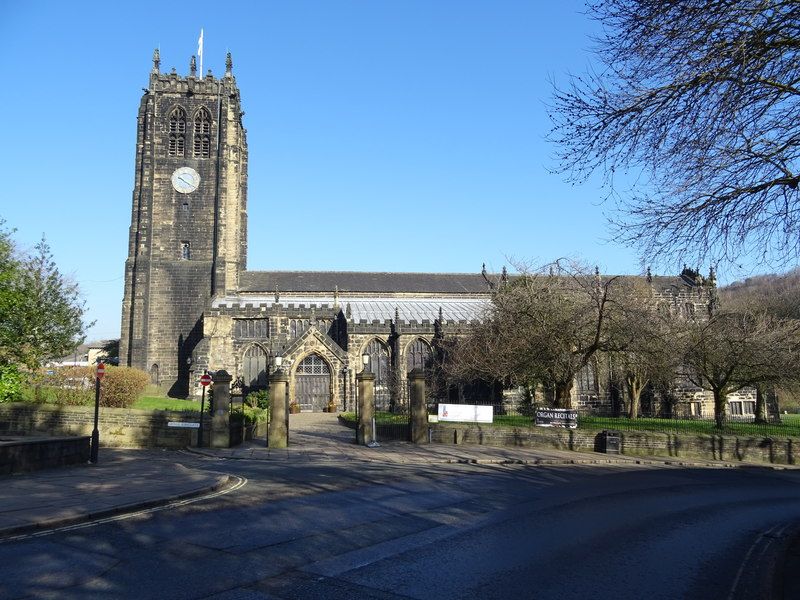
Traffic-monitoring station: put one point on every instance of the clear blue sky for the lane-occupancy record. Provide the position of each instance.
(402, 136)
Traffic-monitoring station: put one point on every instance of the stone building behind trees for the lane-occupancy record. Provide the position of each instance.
(191, 305)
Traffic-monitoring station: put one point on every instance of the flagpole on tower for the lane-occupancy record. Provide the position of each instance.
(200, 51)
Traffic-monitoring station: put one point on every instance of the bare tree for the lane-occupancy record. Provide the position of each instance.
(545, 325)
(696, 102)
(649, 356)
(733, 350)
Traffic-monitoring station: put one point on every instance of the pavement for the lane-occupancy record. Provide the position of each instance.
(127, 481)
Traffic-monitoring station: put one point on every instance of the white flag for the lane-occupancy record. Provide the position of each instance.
(200, 51)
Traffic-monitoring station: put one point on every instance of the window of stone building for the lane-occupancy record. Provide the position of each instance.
(690, 309)
(419, 355)
(154, 379)
(252, 328)
(586, 380)
(740, 408)
(298, 327)
(379, 366)
(177, 133)
(185, 208)
(202, 134)
(186, 251)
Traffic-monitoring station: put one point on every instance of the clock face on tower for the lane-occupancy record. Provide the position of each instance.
(185, 180)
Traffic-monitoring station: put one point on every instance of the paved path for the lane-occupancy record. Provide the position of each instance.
(128, 480)
(122, 481)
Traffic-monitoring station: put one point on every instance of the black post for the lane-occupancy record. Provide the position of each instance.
(95, 431)
(202, 410)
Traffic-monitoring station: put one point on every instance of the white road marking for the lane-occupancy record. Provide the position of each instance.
(768, 537)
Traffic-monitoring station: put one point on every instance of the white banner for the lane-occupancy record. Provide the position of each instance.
(469, 413)
(184, 424)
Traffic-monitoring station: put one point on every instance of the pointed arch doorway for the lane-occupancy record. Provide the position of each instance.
(313, 384)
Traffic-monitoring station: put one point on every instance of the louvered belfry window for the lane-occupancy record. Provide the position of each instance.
(177, 133)
(202, 134)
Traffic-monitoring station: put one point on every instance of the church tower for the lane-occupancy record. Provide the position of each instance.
(188, 234)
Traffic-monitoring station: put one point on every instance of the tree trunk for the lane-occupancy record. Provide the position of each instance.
(564, 395)
(761, 405)
(635, 394)
(719, 408)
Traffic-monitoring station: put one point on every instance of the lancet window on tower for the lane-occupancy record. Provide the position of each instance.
(177, 133)
(202, 134)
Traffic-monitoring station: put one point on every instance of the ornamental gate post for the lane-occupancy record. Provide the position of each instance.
(278, 434)
(366, 407)
(220, 422)
(419, 409)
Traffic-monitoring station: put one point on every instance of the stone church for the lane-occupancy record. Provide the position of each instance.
(190, 303)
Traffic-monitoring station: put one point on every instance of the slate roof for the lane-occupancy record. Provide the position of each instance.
(389, 283)
(363, 282)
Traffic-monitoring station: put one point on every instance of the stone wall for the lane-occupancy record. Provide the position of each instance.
(119, 427)
(633, 443)
(21, 455)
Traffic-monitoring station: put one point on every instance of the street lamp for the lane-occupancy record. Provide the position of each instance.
(278, 362)
(344, 386)
(189, 376)
(365, 360)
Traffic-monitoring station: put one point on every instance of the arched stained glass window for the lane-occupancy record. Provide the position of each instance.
(176, 145)
(587, 381)
(419, 355)
(379, 365)
(202, 134)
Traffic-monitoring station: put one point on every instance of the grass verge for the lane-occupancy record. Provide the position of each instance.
(789, 426)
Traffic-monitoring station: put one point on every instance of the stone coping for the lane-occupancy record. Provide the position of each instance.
(21, 440)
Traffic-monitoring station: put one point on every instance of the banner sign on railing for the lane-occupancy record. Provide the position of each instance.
(556, 417)
(466, 413)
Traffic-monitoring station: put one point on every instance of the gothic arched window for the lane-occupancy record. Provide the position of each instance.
(254, 367)
(202, 134)
(177, 133)
(587, 380)
(379, 365)
(419, 355)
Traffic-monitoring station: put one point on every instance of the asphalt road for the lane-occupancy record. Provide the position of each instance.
(352, 530)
